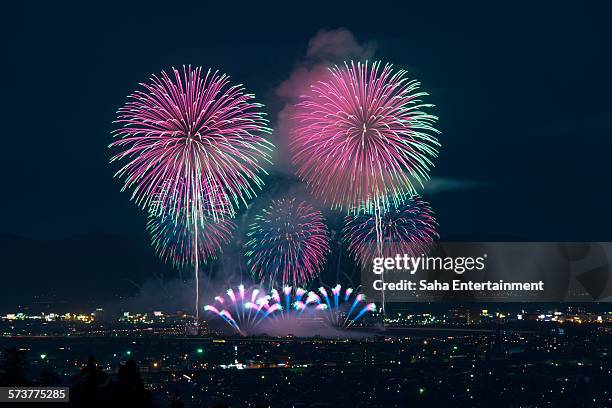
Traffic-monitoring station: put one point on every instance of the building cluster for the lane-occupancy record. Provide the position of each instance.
(480, 316)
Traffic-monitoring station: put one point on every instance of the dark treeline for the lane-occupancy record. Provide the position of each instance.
(92, 387)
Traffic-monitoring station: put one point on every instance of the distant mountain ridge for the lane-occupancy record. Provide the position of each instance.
(80, 271)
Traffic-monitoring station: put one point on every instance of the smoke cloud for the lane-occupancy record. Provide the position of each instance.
(326, 48)
(438, 185)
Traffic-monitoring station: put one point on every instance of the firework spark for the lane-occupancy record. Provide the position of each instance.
(361, 138)
(409, 229)
(173, 237)
(287, 243)
(343, 308)
(245, 310)
(191, 135)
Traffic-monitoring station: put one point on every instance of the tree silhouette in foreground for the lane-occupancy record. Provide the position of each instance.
(177, 402)
(129, 390)
(93, 387)
(48, 378)
(89, 386)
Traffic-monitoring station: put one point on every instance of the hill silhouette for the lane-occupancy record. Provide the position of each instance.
(81, 271)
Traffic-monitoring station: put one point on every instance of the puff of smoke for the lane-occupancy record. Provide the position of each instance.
(326, 48)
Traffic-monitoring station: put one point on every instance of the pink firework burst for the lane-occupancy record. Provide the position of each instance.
(191, 135)
(287, 243)
(361, 138)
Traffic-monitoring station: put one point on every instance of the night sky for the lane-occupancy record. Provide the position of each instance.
(523, 96)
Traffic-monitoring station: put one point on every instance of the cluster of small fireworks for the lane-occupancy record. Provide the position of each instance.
(287, 243)
(409, 228)
(362, 139)
(246, 309)
(194, 146)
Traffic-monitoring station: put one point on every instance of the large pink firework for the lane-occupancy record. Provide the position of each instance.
(194, 146)
(361, 138)
(191, 135)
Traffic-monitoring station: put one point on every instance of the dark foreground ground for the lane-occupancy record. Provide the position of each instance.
(553, 366)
